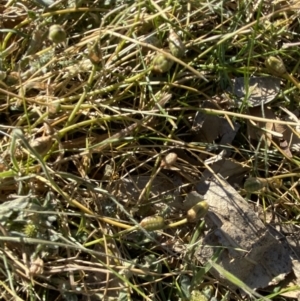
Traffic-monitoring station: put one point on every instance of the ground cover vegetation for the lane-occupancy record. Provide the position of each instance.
(115, 116)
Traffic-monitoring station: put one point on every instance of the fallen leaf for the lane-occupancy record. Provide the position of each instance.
(228, 168)
(250, 252)
(208, 128)
(261, 90)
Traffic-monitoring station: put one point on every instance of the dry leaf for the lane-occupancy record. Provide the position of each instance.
(210, 127)
(251, 252)
(262, 90)
(228, 168)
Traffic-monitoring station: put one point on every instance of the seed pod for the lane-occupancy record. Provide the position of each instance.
(275, 183)
(161, 63)
(275, 66)
(168, 160)
(197, 211)
(253, 184)
(95, 53)
(152, 223)
(175, 44)
(57, 34)
(42, 145)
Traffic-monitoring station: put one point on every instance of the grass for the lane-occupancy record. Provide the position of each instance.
(79, 116)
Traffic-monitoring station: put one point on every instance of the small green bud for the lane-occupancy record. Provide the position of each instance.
(57, 34)
(161, 63)
(275, 66)
(152, 223)
(197, 211)
(175, 44)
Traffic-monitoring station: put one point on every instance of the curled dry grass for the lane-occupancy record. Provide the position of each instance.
(92, 111)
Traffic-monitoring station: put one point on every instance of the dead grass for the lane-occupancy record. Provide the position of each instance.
(80, 117)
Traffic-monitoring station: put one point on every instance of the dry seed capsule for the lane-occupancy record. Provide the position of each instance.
(175, 44)
(152, 223)
(253, 184)
(161, 63)
(57, 34)
(169, 160)
(42, 145)
(275, 66)
(197, 211)
(95, 53)
(275, 183)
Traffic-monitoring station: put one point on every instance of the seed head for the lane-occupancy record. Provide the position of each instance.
(175, 44)
(275, 66)
(169, 160)
(161, 63)
(152, 223)
(197, 211)
(57, 34)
